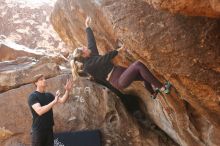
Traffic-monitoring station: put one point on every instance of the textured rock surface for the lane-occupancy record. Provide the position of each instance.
(215, 5)
(117, 126)
(10, 52)
(26, 22)
(184, 50)
(79, 113)
(19, 72)
(210, 8)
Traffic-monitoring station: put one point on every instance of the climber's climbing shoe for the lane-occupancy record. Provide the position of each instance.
(167, 87)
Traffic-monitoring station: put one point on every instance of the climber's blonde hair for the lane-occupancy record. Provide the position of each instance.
(76, 58)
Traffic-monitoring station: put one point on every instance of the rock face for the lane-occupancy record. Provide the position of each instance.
(182, 49)
(210, 8)
(10, 52)
(215, 5)
(91, 106)
(21, 71)
(117, 126)
(27, 23)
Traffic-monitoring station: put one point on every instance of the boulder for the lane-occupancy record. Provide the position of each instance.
(90, 106)
(13, 51)
(208, 8)
(181, 49)
(22, 70)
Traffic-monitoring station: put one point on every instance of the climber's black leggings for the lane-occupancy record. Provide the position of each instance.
(122, 77)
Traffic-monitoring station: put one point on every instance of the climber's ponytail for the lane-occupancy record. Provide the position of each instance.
(74, 69)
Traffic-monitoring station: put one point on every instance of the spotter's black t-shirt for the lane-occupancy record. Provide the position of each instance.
(45, 121)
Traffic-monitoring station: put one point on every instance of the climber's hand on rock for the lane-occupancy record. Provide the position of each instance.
(121, 48)
(88, 21)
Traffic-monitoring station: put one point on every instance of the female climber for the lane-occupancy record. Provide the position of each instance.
(101, 67)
